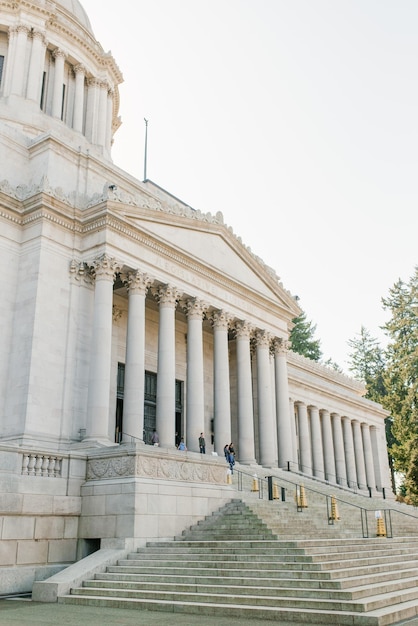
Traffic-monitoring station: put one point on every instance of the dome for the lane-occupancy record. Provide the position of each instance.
(74, 7)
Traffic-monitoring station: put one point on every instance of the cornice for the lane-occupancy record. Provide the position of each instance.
(41, 201)
(325, 372)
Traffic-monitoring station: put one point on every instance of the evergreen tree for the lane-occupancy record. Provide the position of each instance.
(401, 379)
(302, 338)
(367, 363)
(333, 365)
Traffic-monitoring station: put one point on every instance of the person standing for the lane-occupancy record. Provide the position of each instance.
(231, 457)
(155, 440)
(202, 444)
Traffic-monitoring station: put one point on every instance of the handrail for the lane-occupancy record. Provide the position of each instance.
(339, 480)
(387, 511)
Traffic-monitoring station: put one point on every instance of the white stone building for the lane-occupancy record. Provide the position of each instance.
(123, 310)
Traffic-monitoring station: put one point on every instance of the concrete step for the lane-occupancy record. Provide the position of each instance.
(284, 616)
(230, 565)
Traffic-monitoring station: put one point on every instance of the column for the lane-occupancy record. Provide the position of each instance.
(349, 452)
(80, 76)
(340, 469)
(102, 117)
(284, 429)
(92, 109)
(57, 95)
(295, 447)
(109, 120)
(104, 270)
(195, 400)
(317, 449)
(133, 401)
(304, 439)
(383, 475)
(329, 458)
(167, 296)
(368, 456)
(17, 76)
(246, 449)
(359, 455)
(36, 66)
(221, 383)
(266, 422)
(6, 82)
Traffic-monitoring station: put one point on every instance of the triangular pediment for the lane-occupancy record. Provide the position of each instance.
(215, 246)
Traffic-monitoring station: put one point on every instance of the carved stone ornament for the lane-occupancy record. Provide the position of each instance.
(221, 320)
(195, 308)
(79, 272)
(157, 467)
(281, 346)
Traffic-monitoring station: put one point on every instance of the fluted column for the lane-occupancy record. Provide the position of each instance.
(266, 422)
(92, 109)
(368, 456)
(80, 76)
(133, 400)
(36, 66)
(380, 456)
(359, 455)
(109, 119)
(102, 118)
(21, 33)
(195, 400)
(329, 458)
(167, 296)
(304, 439)
(104, 270)
(57, 94)
(317, 449)
(284, 429)
(6, 81)
(221, 383)
(246, 449)
(349, 452)
(295, 446)
(337, 431)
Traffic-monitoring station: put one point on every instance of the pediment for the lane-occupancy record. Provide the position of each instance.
(215, 246)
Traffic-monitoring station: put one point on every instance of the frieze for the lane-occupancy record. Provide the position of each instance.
(156, 467)
(23, 192)
(139, 200)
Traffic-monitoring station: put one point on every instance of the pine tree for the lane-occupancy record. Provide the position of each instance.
(302, 338)
(401, 379)
(367, 363)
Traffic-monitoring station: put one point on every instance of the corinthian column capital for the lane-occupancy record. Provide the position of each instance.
(243, 329)
(221, 320)
(281, 346)
(262, 338)
(137, 283)
(105, 267)
(167, 295)
(59, 53)
(195, 308)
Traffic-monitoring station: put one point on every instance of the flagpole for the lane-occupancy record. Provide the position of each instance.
(146, 144)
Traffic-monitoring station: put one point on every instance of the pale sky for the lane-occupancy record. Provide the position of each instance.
(295, 118)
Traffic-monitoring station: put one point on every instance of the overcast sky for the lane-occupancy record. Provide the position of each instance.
(295, 118)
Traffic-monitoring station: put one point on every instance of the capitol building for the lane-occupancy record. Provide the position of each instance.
(125, 311)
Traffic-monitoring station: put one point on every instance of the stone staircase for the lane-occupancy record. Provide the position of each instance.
(356, 512)
(231, 563)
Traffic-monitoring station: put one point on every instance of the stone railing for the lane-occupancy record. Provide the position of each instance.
(41, 464)
(142, 461)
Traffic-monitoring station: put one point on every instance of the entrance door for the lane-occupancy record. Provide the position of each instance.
(119, 402)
